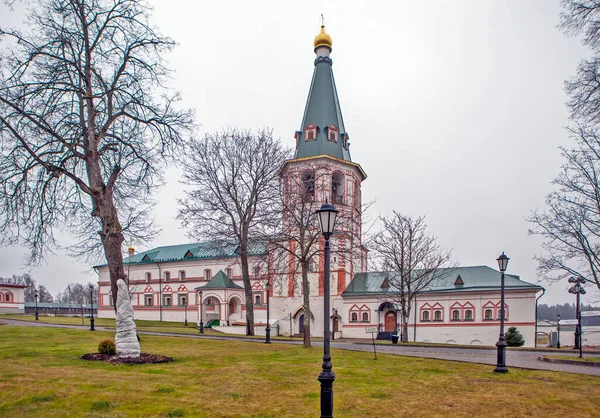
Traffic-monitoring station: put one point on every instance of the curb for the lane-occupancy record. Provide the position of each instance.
(571, 362)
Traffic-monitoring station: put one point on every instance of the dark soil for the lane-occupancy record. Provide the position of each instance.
(144, 358)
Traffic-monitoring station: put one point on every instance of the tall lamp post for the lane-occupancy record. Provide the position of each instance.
(578, 290)
(185, 311)
(268, 328)
(558, 331)
(201, 316)
(501, 344)
(327, 215)
(36, 295)
(91, 287)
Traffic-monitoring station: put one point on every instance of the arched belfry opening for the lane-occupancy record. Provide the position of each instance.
(337, 187)
(308, 186)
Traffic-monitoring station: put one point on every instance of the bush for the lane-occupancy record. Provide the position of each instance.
(514, 338)
(107, 347)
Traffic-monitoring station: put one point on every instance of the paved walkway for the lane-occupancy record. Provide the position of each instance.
(526, 359)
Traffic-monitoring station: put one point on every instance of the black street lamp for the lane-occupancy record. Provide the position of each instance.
(558, 331)
(327, 215)
(501, 344)
(201, 317)
(91, 287)
(185, 311)
(578, 290)
(36, 295)
(268, 328)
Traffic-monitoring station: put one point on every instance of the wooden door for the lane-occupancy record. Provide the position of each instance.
(301, 325)
(336, 324)
(390, 321)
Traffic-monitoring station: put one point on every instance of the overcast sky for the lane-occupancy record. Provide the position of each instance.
(455, 109)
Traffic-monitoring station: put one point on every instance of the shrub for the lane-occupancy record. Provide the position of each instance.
(107, 347)
(514, 338)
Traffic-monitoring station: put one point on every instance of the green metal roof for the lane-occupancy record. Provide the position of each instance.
(194, 251)
(473, 277)
(58, 305)
(220, 281)
(322, 109)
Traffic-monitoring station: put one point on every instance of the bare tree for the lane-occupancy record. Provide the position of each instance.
(78, 294)
(410, 260)
(85, 122)
(234, 192)
(570, 225)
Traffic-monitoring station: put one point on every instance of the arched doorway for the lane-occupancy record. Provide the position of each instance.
(390, 321)
(336, 323)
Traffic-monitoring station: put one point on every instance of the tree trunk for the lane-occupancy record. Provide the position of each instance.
(247, 287)
(306, 304)
(404, 330)
(112, 238)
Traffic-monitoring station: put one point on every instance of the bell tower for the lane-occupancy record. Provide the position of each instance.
(321, 170)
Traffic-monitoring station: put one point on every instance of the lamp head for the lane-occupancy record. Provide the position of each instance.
(268, 286)
(502, 262)
(327, 215)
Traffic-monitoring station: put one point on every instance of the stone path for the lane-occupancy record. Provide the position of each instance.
(514, 358)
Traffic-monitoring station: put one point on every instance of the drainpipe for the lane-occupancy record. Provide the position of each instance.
(536, 316)
(415, 323)
(159, 293)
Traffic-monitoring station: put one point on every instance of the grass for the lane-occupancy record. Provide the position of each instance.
(43, 376)
(574, 358)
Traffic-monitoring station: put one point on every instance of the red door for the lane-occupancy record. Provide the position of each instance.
(390, 321)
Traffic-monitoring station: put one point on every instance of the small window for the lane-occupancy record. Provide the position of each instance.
(365, 316)
(229, 273)
(500, 314)
(354, 317)
(257, 272)
(425, 315)
(207, 274)
(468, 315)
(487, 314)
(7, 297)
(182, 276)
(437, 315)
(111, 301)
(166, 300)
(456, 315)
(311, 132)
(182, 300)
(148, 277)
(148, 300)
(257, 300)
(332, 133)
(167, 276)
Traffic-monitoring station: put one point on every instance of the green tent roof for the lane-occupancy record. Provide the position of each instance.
(473, 278)
(220, 281)
(323, 110)
(193, 251)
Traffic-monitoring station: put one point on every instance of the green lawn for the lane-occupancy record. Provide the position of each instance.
(41, 375)
(589, 358)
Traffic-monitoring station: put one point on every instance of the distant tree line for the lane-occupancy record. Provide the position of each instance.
(32, 286)
(566, 311)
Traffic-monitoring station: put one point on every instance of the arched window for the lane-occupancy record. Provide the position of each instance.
(337, 187)
(425, 316)
(365, 316)
(456, 315)
(148, 277)
(7, 297)
(437, 315)
(308, 185)
(257, 300)
(354, 317)
(488, 314)
(207, 274)
(167, 276)
(332, 133)
(468, 315)
(310, 132)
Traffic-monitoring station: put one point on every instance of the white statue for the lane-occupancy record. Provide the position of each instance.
(126, 339)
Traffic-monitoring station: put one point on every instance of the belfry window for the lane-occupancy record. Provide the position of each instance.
(308, 185)
(337, 187)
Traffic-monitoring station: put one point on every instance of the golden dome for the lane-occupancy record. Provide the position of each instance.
(131, 249)
(322, 39)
